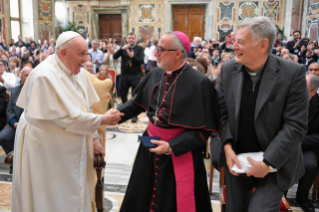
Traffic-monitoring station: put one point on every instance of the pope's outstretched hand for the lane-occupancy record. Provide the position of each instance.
(111, 117)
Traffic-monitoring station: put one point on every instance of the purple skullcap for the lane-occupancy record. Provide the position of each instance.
(184, 39)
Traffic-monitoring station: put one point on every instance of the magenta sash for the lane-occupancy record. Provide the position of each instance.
(183, 169)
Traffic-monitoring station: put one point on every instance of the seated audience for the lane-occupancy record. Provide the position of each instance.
(13, 115)
(310, 145)
(6, 79)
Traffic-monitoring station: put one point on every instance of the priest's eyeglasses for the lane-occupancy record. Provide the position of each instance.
(160, 50)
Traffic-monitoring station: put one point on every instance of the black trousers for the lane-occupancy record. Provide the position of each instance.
(7, 138)
(311, 170)
(128, 81)
(239, 196)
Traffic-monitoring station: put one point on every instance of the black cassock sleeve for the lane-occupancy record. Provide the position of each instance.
(189, 140)
(130, 110)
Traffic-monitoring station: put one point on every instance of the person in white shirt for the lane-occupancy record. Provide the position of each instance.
(6, 79)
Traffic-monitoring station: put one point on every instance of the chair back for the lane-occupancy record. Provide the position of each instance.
(112, 72)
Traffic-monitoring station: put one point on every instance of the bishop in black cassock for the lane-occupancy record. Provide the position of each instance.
(181, 105)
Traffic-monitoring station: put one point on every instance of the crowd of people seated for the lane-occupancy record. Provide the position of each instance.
(207, 56)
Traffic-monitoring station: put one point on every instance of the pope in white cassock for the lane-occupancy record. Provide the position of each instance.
(56, 136)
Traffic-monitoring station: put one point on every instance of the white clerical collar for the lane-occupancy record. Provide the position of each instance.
(62, 66)
(170, 72)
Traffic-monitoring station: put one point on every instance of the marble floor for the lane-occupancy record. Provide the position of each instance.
(121, 148)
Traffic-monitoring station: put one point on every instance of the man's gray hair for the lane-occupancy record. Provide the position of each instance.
(27, 67)
(177, 44)
(261, 28)
(95, 40)
(314, 81)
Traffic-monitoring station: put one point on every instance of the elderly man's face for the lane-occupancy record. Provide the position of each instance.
(51, 50)
(284, 51)
(95, 45)
(314, 68)
(76, 55)
(52, 40)
(287, 57)
(24, 75)
(89, 66)
(244, 48)
(196, 42)
(166, 60)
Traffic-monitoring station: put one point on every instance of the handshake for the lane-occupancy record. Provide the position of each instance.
(111, 117)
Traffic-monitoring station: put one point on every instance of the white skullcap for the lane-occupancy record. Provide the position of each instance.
(66, 36)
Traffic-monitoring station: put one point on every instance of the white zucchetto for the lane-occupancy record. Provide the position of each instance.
(66, 36)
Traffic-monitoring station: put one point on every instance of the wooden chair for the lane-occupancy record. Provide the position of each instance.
(7, 97)
(112, 72)
(284, 206)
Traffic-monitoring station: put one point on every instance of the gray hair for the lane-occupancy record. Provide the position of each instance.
(314, 81)
(177, 44)
(261, 28)
(95, 40)
(27, 67)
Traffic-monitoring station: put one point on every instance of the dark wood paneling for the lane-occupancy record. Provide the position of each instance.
(110, 26)
(190, 20)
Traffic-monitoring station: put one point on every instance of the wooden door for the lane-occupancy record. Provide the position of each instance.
(190, 20)
(110, 26)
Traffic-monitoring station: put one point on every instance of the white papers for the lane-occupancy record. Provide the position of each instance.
(245, 164)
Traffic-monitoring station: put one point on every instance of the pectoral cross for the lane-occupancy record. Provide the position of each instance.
(156, 119)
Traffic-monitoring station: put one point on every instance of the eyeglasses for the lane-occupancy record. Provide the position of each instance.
(160, 50)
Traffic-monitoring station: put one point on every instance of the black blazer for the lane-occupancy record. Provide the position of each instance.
(311, 140)
(280, 116)
(290, 46)
(13, 110)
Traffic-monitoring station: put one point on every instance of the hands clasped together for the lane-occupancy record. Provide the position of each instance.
(111, 117)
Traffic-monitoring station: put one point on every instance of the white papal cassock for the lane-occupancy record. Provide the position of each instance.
(53, 153)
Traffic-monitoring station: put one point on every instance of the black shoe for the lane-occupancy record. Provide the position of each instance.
(307, 206)
(134, 120)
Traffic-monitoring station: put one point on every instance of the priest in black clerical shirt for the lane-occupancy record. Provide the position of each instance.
(181, 105)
